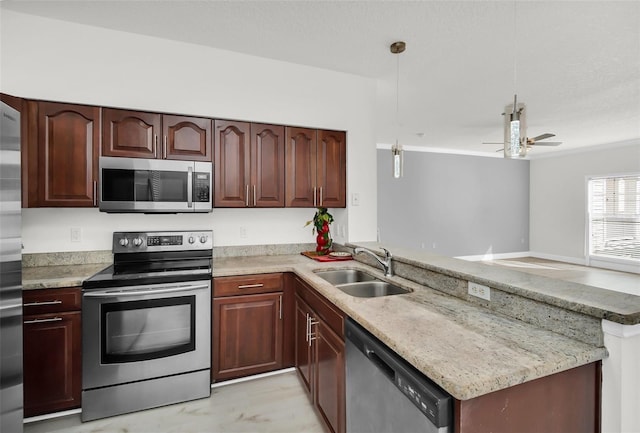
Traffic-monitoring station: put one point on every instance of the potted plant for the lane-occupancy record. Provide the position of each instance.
(321, 221)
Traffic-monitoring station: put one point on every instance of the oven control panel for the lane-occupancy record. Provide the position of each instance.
(132, 242)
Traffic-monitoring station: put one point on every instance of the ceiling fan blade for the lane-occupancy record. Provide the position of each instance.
(542, 136)
(490, 142)
(546, 143)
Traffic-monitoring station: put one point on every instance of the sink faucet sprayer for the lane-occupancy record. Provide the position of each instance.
(386, 263)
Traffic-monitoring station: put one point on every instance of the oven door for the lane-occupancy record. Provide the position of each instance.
(143, 332)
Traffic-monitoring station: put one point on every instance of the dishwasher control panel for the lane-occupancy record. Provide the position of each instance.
(423, 401)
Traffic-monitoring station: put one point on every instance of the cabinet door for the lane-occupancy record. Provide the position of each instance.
(332, 168)
(247, 335)
(130, 133)
(267, 165)
(303, 361)
(52, 363)
(67, 147)
(186, 138)
(232, 164)
(300, 167)
(330, 377)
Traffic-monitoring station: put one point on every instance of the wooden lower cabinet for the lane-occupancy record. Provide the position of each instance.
(249, 325)
(320, 355)
(52, 357)
(565, 402)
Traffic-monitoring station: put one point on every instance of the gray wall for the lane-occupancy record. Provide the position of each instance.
(454, 205)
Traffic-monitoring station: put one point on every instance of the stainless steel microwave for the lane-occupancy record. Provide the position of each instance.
(154, 185)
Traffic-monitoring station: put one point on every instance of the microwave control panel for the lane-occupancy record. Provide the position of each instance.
(201, 182)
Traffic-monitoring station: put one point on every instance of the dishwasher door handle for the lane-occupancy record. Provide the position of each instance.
(385, 368)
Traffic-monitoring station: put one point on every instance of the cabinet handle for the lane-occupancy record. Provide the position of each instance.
(36, 304)
(155, 146)
(164, 148)
(250, 286)
(314, 197)
(280, 307)
(53, 319)
(95, 193)
(254, 196)
(312, 336)
(306, 337)
(321, 198)
(247, 196)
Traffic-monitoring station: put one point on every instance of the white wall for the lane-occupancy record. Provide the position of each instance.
(55, 60)
(558, 197)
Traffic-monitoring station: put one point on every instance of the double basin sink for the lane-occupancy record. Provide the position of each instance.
(360, 284)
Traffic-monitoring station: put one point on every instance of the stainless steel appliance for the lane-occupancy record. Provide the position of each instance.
(386, 394)
(11, 406)
(146, 324)
(154, 185)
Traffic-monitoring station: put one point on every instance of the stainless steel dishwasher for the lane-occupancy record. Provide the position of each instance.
(385, 394)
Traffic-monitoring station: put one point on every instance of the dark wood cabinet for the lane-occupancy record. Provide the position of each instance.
(316, 167)
(138, 134)
(247, 325)
(63, 146)
(320, 355)
(52, 350)
(249, 164)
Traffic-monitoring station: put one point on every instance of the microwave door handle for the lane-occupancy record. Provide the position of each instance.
(147, 291)
(190, 187)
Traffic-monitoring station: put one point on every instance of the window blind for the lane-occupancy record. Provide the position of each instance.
(614, 216)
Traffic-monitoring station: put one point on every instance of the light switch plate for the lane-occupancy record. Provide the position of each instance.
(355, 199)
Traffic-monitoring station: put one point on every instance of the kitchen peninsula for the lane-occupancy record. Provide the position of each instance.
(531, 328)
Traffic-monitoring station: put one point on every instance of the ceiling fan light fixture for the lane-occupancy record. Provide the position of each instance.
(515, 145)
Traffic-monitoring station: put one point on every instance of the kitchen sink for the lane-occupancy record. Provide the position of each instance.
(372, 289)
(360, 284)
(345, 276)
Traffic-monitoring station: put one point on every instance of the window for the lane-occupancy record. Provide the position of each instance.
(614, 218)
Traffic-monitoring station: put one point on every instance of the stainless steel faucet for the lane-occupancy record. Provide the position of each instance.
(386, 263)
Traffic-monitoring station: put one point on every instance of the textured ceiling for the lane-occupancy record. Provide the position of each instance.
(576, 65)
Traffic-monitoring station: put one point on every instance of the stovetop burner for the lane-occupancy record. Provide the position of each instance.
(156, 257)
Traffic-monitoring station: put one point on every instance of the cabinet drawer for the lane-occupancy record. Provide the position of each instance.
(247, 284)
(46, 301)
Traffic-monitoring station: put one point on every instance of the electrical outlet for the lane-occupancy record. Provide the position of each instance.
(480, 291)
(76, 234)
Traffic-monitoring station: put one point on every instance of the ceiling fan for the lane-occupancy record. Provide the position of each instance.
(516, 143)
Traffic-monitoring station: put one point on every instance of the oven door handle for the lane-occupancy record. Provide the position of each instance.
(147, 291)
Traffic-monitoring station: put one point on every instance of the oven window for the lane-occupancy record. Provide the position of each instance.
(148, 329)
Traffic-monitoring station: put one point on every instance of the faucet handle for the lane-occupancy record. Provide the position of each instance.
(387, 253)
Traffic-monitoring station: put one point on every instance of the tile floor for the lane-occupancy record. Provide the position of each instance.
(274, 404)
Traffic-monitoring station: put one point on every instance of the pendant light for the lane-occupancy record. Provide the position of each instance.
(515, 145)
(396, 150)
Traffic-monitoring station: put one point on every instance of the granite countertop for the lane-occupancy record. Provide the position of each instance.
(437, 333)
(55, 277)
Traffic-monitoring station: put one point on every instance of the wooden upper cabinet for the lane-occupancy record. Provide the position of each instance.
(66, 146)
(249, 161)
(316, 168)
(232, 163)
(301, 167)
(267, 165)
(332, 168)
(186, 138)
(130, 133)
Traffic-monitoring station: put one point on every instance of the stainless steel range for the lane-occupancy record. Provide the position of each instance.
(146, 324)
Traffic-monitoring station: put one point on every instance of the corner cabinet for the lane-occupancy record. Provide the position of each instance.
(51, 350)
(320, 354)
(249, 164)
(62, 147)
(316, 168)
(137, 134)
(248, 317)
